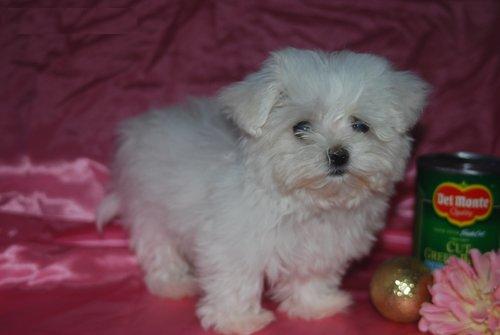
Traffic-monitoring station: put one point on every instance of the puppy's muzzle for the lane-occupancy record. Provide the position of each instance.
(338, 158)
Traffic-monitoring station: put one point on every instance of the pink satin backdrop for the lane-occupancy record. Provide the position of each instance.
(70, 70)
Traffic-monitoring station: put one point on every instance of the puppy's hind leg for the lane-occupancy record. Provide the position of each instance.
(166, 272)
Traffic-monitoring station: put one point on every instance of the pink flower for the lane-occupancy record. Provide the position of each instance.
(465, 299)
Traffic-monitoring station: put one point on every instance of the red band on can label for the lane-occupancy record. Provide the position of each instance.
(462, 205)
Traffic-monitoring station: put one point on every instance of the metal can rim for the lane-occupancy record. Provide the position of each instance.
(460, 162)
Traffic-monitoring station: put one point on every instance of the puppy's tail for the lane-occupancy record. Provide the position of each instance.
(107, 210)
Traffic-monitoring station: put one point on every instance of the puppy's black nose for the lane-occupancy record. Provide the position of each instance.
(338, 156)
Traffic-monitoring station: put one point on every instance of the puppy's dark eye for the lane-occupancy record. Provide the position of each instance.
(301, 129)
(360, 126)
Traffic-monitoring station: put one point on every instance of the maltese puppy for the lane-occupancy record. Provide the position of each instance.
(280, 181)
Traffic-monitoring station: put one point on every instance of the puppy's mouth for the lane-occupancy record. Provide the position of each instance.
(336, 172)
(345, 175)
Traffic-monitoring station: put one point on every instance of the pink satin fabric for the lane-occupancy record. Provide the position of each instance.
(71, 70)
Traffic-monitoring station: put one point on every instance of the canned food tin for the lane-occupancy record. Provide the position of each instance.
(458, 206)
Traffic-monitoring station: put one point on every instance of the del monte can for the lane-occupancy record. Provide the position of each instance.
(458, 206)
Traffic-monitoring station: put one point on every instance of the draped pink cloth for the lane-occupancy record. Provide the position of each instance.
(71, 70)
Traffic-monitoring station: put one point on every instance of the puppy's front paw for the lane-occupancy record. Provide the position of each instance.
(227, 321)
(315, 306)
(173, 286)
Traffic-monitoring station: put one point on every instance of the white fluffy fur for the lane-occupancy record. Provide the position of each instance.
(220, 195)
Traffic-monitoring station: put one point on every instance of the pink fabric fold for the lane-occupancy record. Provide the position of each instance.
(62, 188)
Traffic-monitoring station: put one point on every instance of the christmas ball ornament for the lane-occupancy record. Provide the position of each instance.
(399, 287)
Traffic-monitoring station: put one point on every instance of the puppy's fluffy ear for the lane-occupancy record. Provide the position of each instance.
(410, 96)
(249, 102)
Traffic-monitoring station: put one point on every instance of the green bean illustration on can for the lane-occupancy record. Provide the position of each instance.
(457, 207)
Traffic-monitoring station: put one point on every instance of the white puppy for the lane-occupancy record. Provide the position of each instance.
(284, 178)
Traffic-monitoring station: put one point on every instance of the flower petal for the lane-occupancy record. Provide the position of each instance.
(447, 328)
(466, 268)
(430, 308)
(443, 299)
(439, 276)
(442, 318)
(493, 324)
(462, 285)
(479, 315)
(495, 265)
(443, 288)
(481, 265)
(423, 325)
(459, 311)
(496, 295)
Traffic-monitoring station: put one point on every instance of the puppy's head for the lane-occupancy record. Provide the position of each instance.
(328, 125)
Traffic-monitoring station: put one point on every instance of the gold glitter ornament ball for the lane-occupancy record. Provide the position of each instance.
(399, 287)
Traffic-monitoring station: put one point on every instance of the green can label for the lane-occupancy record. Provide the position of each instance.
(455, 212)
